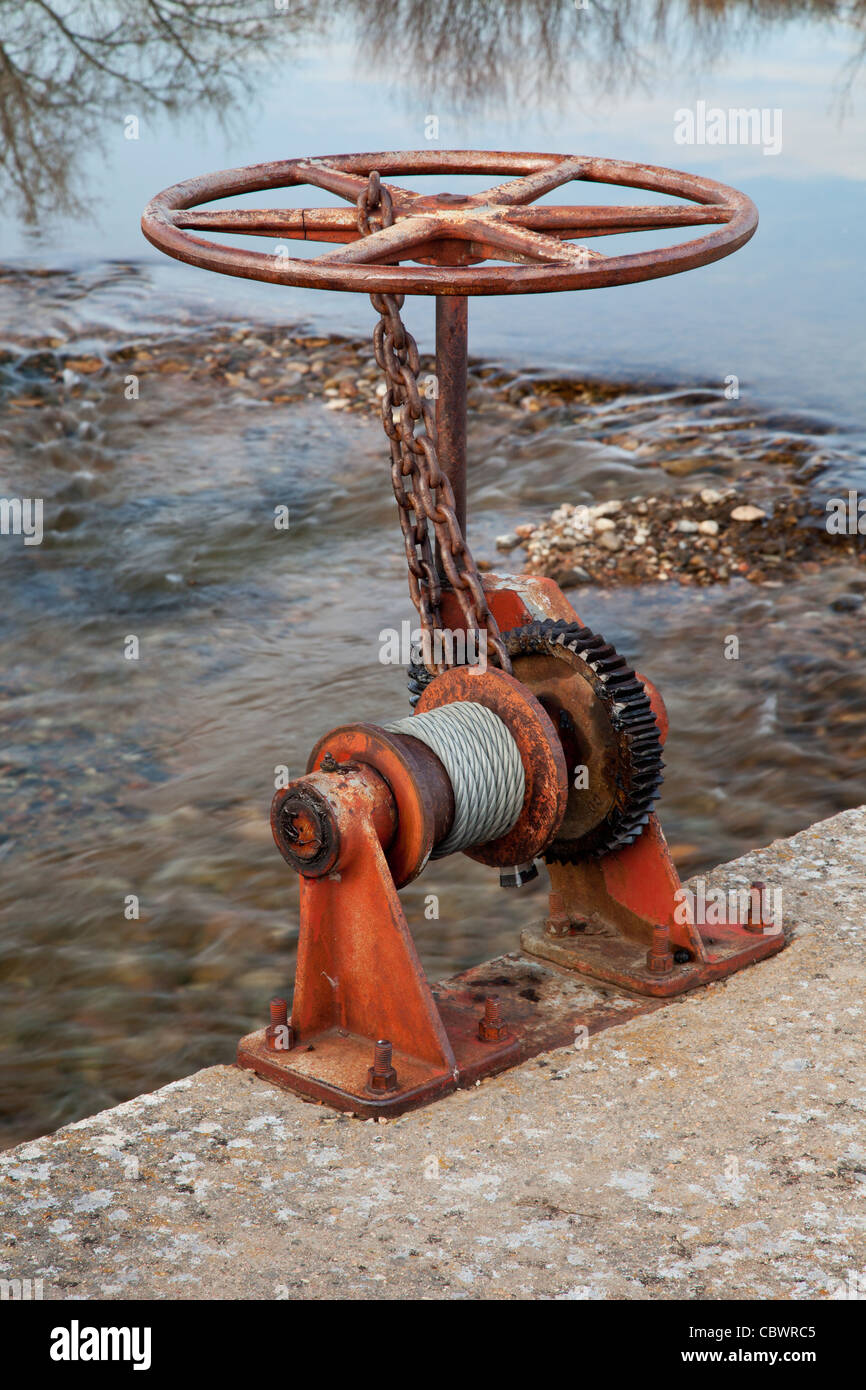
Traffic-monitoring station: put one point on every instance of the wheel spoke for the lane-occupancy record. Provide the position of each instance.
(348, 186)
(314, 224)
(607, 221)
(389, 244)
(531, 186)
(333, 180)
(525, 245)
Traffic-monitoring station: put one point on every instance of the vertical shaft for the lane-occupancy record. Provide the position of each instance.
(451, 335)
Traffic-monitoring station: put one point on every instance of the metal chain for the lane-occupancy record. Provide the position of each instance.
(410, 424)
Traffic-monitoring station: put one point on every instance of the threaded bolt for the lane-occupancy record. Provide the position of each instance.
(492, 1027)
(659, 957)
(492, 1010)
(754, 916)
(382, 1076)
(279, 1037)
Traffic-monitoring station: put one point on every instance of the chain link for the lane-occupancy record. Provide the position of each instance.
(409, 421)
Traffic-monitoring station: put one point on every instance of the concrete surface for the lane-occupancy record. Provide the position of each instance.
(713, 1149)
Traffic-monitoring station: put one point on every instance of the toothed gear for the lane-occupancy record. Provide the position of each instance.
(606, 724)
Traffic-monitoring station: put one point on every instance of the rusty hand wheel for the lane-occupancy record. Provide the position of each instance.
(449, 234)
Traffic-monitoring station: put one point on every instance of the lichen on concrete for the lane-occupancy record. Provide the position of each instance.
(715, 1148)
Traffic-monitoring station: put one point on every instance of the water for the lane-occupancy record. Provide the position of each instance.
(152, 778)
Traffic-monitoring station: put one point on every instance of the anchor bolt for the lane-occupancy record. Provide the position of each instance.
(659, 957)
(492, 1027)
(381, 1076)
(754, 922)
(279, 1036)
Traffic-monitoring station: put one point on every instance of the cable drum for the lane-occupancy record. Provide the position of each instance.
(484, 766)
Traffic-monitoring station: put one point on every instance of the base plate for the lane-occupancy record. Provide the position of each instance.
(543, 1006)
(617, 960)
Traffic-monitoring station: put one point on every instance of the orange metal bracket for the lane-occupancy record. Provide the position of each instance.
(359, 979)
(609, 916)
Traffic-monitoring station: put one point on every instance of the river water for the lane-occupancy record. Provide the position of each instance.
(152, 777)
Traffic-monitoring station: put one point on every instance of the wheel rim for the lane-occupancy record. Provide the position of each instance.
(451, 235)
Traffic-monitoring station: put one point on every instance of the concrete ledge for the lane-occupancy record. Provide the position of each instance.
(713, 1149)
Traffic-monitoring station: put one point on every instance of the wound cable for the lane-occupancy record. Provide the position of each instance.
(483, 763)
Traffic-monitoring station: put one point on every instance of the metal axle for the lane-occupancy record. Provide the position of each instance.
(452, 324)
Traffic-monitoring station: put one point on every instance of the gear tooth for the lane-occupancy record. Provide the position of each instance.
(614, 663)
(626, 685)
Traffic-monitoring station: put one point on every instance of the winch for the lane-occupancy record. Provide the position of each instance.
(548, 748)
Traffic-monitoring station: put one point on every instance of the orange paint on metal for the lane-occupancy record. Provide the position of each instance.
(357, 964)
(514, 600)
(418, 783)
